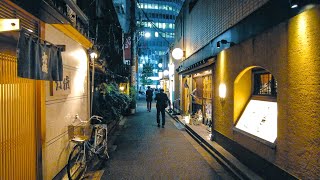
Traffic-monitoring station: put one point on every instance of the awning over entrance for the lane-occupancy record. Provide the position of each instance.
(36, 58)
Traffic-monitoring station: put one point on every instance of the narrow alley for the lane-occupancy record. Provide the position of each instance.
(145, 151)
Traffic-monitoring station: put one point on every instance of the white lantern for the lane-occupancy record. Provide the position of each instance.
(177, 53)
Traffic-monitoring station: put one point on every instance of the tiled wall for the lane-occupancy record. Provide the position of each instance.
(62, 106)
(210, 18)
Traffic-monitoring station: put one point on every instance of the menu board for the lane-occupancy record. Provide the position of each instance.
(260, 119)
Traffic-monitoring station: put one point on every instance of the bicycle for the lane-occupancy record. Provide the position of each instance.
(87, 146)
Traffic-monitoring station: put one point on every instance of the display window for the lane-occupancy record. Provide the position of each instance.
(259, 117)
(201, 98)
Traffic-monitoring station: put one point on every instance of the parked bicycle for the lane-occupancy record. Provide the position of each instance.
(87, 146)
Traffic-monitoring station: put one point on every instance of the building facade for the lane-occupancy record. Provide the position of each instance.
(37, 114)
(156, 18)
(249, 77)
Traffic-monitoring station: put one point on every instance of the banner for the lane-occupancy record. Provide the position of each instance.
(127, 49)
(38, 61)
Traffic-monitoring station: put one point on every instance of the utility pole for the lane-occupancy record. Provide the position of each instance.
(133, 42)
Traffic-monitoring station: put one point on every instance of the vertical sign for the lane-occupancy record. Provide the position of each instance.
(127, 50)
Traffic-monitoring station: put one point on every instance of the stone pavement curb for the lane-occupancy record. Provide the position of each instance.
(233, 165)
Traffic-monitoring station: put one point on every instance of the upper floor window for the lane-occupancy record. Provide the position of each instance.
(264, 83)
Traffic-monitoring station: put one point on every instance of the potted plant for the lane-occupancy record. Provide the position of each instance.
(133, 102)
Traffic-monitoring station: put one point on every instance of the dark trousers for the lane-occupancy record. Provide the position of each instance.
(149, 105)
(163, 115)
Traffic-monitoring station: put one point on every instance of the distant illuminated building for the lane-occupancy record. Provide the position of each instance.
(156, 17)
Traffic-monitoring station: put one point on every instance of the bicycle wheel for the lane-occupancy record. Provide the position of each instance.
(77, 164)
(102, 142)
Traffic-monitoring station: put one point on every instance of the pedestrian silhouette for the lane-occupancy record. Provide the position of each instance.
(162, 102)
(149, 94)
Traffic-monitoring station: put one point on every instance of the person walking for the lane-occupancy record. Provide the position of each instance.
(162, 102)
(149, 94)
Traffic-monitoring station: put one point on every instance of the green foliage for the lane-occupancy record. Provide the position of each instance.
(109, 102)
(146, 73)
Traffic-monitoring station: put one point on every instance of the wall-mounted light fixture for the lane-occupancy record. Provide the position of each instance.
(222, 91)
(293, 4)
(93, 55)
(223, 41)
(177, 54)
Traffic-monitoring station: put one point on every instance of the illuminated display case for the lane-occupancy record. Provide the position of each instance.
(260, 119)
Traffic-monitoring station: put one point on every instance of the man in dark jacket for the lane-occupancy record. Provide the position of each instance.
(149, 94)
(162, 99)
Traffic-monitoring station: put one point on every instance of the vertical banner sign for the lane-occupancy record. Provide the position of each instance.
(127, 49)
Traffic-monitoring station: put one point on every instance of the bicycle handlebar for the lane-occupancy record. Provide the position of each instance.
(99, 118)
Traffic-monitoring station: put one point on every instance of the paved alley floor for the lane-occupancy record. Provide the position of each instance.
(145, 151)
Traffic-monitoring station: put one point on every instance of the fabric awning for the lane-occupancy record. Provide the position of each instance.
(36, 58)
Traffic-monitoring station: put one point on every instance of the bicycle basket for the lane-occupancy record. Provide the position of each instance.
(79, 130)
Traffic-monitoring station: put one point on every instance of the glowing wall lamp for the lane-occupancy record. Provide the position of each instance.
(222, 91)
(177, 54)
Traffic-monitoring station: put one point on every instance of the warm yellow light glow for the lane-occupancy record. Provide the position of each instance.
(121, 88)
(260, 119)
(80, 57)
(222, 90)
(9, 24)
(177, 53)
(187, 119)
(222, 65)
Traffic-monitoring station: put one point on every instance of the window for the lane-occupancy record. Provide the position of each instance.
(156, 34)
(264, 83)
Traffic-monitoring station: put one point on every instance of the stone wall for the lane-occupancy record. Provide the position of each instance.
(291, 52)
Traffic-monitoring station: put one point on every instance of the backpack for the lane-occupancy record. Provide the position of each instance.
(166, 104)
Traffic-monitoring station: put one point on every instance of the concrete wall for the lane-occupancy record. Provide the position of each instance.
(61, 106)
(291, 52)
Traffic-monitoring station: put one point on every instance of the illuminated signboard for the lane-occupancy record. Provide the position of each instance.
(9, 24)
(260, 119)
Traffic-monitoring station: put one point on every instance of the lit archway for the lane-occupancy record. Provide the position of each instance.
(255, 103)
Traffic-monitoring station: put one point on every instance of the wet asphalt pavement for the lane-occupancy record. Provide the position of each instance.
(145, 151)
